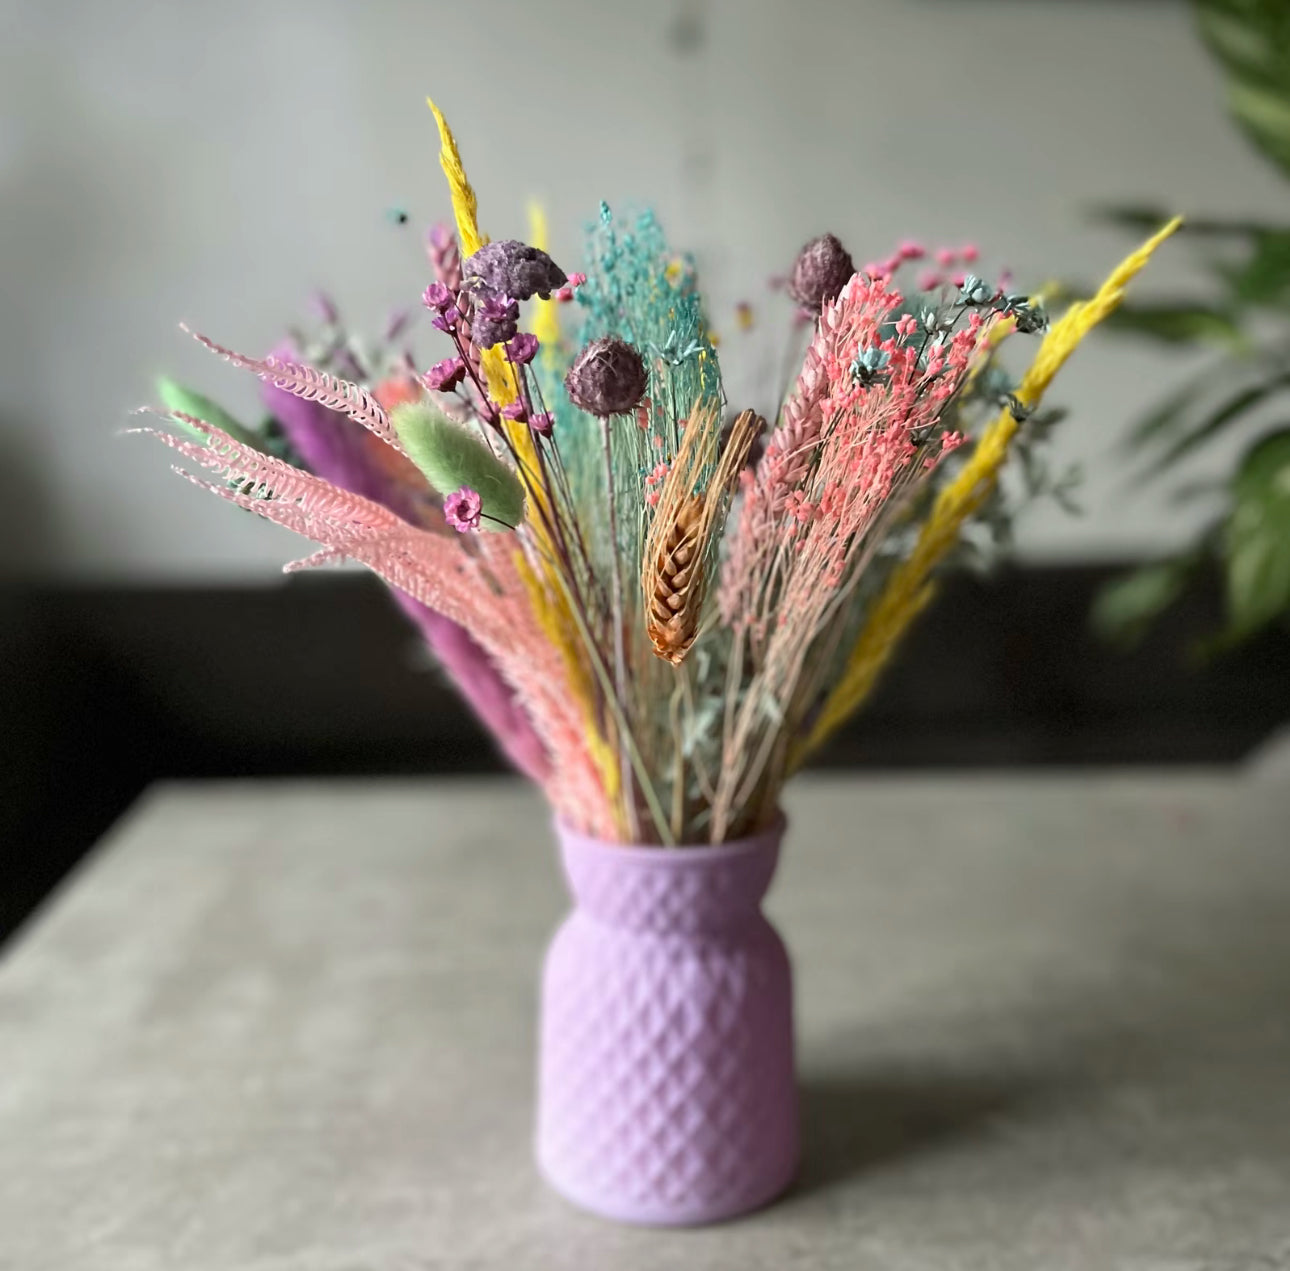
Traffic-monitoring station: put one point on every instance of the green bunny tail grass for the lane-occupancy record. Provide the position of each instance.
(450, 458)
(183, 401)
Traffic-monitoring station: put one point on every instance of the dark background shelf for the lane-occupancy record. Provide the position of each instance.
(108, 689)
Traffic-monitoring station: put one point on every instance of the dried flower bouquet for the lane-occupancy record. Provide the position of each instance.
(659, 607)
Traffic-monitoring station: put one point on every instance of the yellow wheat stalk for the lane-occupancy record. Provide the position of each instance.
(910, 588)
(546, 596)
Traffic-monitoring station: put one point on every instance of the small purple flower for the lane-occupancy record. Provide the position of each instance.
(515, 410)
(444, 376)
(447, 320)
(462, 510)
(542, 424)
(523, 348)
(514, 269)
(498, 307)
(497, 319)
(436, 296)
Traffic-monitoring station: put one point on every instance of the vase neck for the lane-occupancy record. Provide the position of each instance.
(685, 890)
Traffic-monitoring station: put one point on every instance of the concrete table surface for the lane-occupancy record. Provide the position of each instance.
(1044, 1022)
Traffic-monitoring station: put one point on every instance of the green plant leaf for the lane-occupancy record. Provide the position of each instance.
(179, 400)
(1170, 413)
(1144, 219)
(1138, 217)
(1265, 116)
(1264, 279)
(1203, 488)
(1180, 324)
(1126, 607)
(1251, 39)
(1230, 412)
(1256, 541)
(1244, 34)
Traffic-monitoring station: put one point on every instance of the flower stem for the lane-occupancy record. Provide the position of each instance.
(620, 653)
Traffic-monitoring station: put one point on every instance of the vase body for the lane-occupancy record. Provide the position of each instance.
(666, 1086)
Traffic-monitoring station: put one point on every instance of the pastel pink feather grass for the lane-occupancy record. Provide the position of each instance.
(481, 591)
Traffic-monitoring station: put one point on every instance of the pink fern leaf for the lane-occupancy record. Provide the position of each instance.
(313, 385)
(263, 475)
(430, 567)
(315, 560)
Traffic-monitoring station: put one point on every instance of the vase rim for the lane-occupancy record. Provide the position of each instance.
(692, 852)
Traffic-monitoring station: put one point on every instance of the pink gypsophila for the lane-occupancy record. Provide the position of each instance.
(462, 510)
(444, 376)
(522, 349)
(799, 508)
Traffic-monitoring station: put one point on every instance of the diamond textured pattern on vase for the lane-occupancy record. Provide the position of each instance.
(666, 1085)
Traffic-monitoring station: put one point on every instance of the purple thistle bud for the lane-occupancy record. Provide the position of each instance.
(437, 296)
(444, 376)
(496, 320)
(447, 320)
(514, 269)
(514, 410)
(823, 267)
(543, 424)
(522, 349)
(607, 378)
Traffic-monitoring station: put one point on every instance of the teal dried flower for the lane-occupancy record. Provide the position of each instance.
(973, 291)
(1030, 318)
(870, 365)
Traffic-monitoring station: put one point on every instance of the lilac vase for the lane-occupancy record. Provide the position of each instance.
(666, 1091)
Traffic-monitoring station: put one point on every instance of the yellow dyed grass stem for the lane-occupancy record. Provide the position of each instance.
(546, 596)
(545, 319)
(465, 206)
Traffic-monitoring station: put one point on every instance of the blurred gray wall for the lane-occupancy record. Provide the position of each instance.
(215, 162)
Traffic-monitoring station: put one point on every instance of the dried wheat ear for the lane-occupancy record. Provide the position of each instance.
(674, 578)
